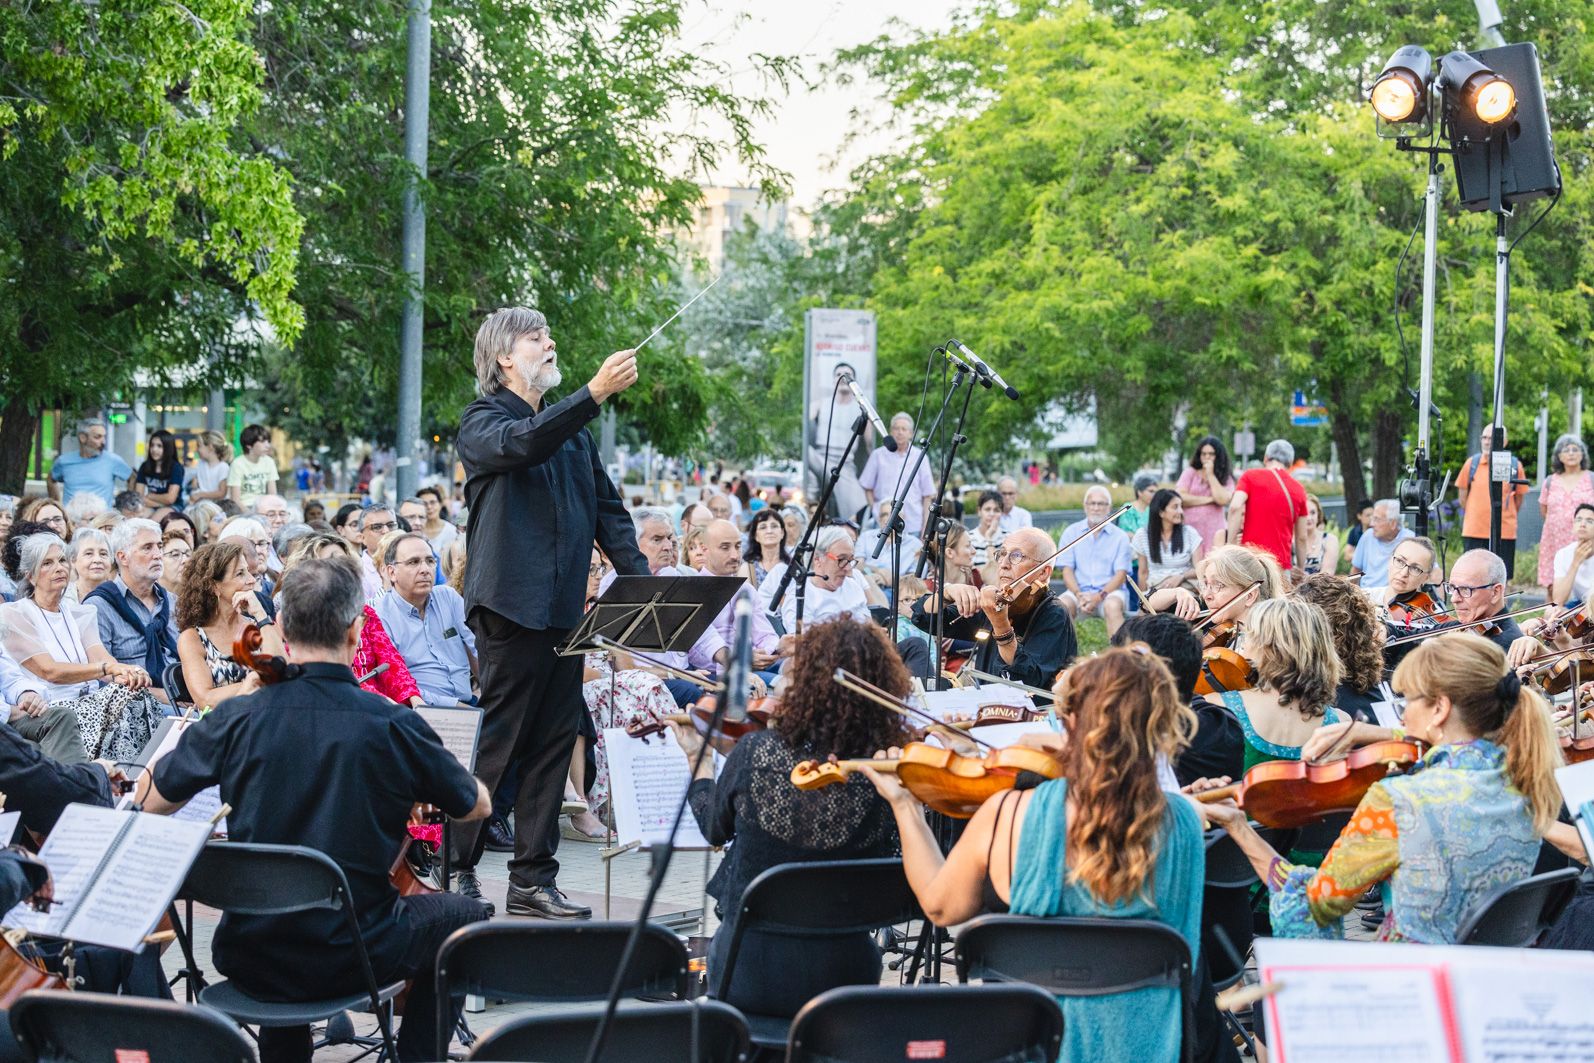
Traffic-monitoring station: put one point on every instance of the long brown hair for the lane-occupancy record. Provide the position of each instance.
(1493, 703)
(1125, 710)
(197, 604)
(820, 717)
(1358, 636)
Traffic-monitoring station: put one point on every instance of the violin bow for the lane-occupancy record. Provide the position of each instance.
(709, 685)
(895, 704)
(1462, 627)
(1015, 684)
(1055, 554)
(1212, 614)
(1144, 604)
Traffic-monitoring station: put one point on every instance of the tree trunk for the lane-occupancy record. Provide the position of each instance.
(1342, 428)
(19, 424)
(1388, 457)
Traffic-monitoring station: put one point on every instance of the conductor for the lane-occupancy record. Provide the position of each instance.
(539, 497)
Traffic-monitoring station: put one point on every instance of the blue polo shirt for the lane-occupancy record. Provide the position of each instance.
(437, 647)
(1097, 557)
(104, 474)
(1372, 558)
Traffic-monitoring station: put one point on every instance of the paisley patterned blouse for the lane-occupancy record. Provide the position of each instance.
(1436, 842)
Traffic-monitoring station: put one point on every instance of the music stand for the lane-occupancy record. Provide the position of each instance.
(653, 614)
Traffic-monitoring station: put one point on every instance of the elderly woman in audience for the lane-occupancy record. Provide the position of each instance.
(796, 520)
(58, 642)
(1441, 838)
(49, 512)
(89, 554)
(216, 602)
(207, 519)
(766, 546)
(1102, 840)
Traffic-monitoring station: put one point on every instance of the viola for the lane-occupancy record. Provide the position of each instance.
(1224, 669)
(948, 782)
(268, 666)
(1293, 793)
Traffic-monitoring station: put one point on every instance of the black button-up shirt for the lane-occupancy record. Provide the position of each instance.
(41, 788)
(538, 498)
(317, 761)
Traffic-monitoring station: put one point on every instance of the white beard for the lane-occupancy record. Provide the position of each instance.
(539, 377)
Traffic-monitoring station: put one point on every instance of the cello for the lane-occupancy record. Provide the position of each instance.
(268, 666)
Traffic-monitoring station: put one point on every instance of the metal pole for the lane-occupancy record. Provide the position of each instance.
(1574, 412)
(1430, 255)
(1500, 459)
(417, 103)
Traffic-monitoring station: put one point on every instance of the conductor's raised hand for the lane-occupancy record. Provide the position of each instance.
(617, 373)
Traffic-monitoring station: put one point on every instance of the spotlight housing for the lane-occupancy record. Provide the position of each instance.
(1475, 94)
(1400, 94)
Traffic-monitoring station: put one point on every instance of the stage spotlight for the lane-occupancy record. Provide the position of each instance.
(1478, 91)
(1400, 95)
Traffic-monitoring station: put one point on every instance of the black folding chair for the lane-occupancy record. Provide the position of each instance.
(1320, 837)
(1081, 957)
(172, 683)
(823, 898)
(1514, 916)
(700, 1031)
(247, 879)
(1228, 924)
(56, 1027)
(555, 962)
(887, 1024)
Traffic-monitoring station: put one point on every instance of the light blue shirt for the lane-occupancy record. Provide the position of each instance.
(1098, 557)
(1372, 558)
(104, 474)
(436, 647)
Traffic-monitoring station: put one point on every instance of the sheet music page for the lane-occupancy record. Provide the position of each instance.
(138, 882)
(1364, 1004)
(646, 783)
(8, 825)
(202, 808)
(966, 701)
(1577, 789)
(1527, 1011)
(459, 729)
(71, 852)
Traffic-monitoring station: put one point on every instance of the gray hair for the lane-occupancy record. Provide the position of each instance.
(84, 507)
(365, 514)
(283, 541)
(901, 415)
(1493, 564)
(797, 512)
(1092, 489)
(642, 516)
(320, 598)
(413, 498)
(830, 535)
(128, 530)
(1566, 440)
(85, 423)
(242, 528)
(1388, 507)
(496, 338)
(86, 537)
(31, 555)
(1280, 450)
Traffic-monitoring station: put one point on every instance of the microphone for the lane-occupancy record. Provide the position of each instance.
(986, 372)
(739, 672)
(985, 381)
(874, 414)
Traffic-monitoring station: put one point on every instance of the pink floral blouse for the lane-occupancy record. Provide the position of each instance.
(376, 648)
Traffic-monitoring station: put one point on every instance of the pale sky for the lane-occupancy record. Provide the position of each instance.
(805, 138)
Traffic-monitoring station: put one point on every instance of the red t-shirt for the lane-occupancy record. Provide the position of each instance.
(1273, 501)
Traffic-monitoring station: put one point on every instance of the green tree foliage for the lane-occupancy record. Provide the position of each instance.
(134, 233)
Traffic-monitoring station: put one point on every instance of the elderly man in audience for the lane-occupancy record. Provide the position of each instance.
(374, 523)
(695, 515)
(1096, 567)
(722, 557)
(427, 623)
(272, 512)
(884, 477)
(911, 543)
(1014, 516)
(135, 611)
(1371, 559)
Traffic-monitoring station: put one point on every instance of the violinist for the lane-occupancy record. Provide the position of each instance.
(1404, 594)
(766, 821)
(1358, 641)
(1465, 822)
(1104, 840)
(315, 761)
(216, 603)
(1233, 579)
(1031, 637)
(1477, 588)
(1218, 745)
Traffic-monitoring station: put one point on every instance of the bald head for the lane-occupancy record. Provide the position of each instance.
(722, 548)
(1034, 544)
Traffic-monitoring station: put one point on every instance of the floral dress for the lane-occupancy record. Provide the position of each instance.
(1559, 504)
(638, 696)
(376, 649)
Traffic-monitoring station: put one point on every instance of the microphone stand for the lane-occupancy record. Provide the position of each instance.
(942, 524)
(802, 556)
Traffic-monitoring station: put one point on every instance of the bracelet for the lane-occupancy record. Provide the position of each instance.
(1010, 636)
(105, 667)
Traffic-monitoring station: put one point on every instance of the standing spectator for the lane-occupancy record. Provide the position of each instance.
(89, 554)
(92, 470)
(885, 477)
(1268, 507)
(1134, 518)
(1473, 491)
(437, 528)
(1014, 516)
(1096, 567)
(255, 472)
(160, 477)
(1574, 562)
(1371, 561)
(1322, 549)
(1358, 528)
(1571, 485)
(208, 482)
(1205, 488)
(987, 535)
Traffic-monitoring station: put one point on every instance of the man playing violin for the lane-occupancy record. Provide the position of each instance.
(1477, 590)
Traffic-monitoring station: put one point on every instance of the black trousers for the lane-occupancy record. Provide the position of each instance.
(531, 709)
(1506, 553)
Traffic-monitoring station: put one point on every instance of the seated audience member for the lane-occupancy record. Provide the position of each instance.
(89, 554)
(427, 623)
(719, 507)
(1358, 643)
(754, 809)
(436, 527)
(912, 545)
(135, 612)
(314, 761)
(1104, 840)
(50, 513)
(830, 593)
(1322, 548)
(695, 515)
(1165, 547)
(175, 552)
(987, 535)
(692, 547)
(29, 715)
(217, 602)
(1218, 746)
(207, 518)
(721, 542)
(346, 522)
(257, 546)
(657, 541)
(1574, 562)
(130, 504)
(766, 546)
(1371, 559)
(1096, 566)
(374, 523)
(796, 521)
(272, 512)
(58, 643)
(1439, 839)
(176, 521)
(160, 476)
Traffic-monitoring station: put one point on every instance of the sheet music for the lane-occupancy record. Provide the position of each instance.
(71, 852)
(459, 729)
(1577, 789)
(140, 879)
(8, 825)
(646, 783)
(1527, 1012)
(202, 808)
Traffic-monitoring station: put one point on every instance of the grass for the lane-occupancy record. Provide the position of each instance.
(1091, 631)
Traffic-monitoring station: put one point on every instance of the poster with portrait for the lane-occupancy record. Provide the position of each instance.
(838, 343)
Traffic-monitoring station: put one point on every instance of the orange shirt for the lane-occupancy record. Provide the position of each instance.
(1474, 495)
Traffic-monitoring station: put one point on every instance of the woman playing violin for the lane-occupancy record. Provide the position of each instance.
(1406, 601)
(1233, 579)
(1104, 840)
(1464, 822)
(768, 821)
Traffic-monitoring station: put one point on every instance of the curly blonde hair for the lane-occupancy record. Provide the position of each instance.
(1125, 711)
(1289, 641)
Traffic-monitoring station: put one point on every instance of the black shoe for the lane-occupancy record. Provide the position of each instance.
(500, 836)
(1373, 920)
(546, 902)
(466, 884)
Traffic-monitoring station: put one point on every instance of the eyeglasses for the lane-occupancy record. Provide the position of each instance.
(175, 554)
(846, 561)
(56, 521)
(1415, 570)
(1013, 558)
(417, 562)
(261, 544)
(389, 526)
(1461, 591)
(597, 570)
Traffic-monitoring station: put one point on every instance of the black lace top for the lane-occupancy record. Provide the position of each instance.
(768, 821)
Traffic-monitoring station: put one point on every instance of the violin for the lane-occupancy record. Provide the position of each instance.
(1420, 609)
(1293, 793)
(20, 973)
(1220, 635)
(948, 782)
(1575, 622)
(1006, 596)
(268, 666)
(1224, 669)
(701, 714)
